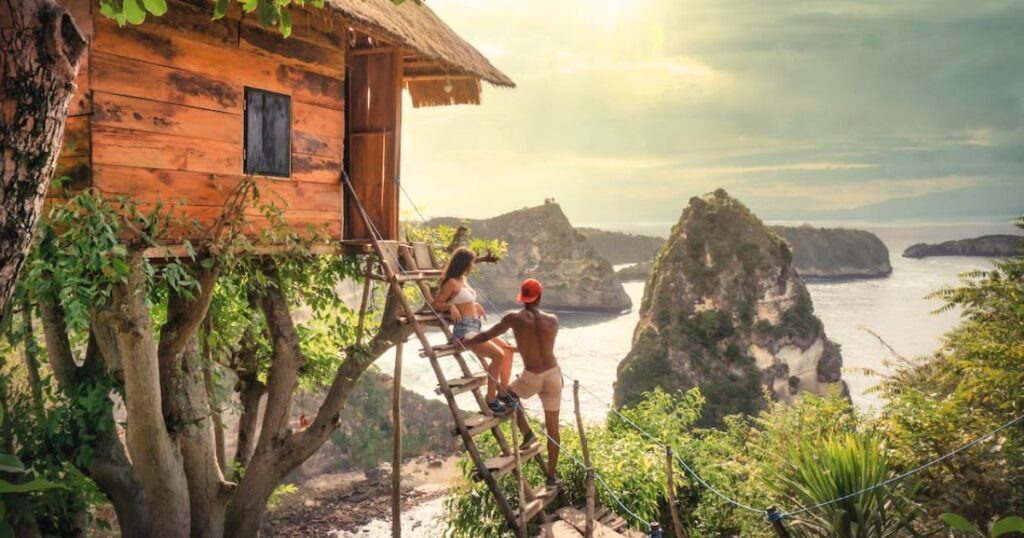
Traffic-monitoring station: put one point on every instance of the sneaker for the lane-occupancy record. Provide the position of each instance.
(498, 408)
(528, 440)
(553, 482)
(508, 400)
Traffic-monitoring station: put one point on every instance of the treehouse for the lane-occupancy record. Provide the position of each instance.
(181, 110)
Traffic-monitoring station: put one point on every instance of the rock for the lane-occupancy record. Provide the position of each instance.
(836, 252)
(990, 246)
(725, 310)
(619, 248)
(542, 244)
(637, 271)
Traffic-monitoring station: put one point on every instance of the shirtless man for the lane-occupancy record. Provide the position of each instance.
(535, 333)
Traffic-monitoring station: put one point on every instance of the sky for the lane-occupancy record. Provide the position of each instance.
(626, 108)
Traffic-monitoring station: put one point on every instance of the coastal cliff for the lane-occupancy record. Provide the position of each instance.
(619, 247)
(990, 246)
(542, 244)
(726, 311)
(836, 252)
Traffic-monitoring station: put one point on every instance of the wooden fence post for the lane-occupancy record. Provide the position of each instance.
(521, 527)
(589, 529)
(396, 446)
(672, 495)
(776, 518)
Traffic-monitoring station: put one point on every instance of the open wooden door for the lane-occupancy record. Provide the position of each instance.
(373, 111)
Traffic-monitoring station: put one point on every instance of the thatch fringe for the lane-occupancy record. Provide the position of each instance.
(463, 91)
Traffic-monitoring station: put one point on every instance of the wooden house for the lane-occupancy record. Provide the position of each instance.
(183, 108)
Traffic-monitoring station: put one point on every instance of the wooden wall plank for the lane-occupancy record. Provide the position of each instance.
(317, 130)
(194, 20)
(149, 185)
(76, 168)
(241, 68)
(136, 148)
(165, 118)
(316, 168)
(124, 76)
(269, 43)
(76, 137)
(325, 223)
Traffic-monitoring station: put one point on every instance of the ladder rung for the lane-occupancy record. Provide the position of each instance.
(532, 509)
(426, 318)
(478, 424)
(558, 529)
(465, 384)
(502, 465)
(443, 350)
(601, 512)
(417, 276)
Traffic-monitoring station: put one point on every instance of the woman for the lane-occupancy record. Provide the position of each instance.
(458, 298)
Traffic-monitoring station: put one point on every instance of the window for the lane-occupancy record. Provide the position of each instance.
(268, 130)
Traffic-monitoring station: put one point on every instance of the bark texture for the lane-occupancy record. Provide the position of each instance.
(279, 450)
(40, 50)
(123, 329)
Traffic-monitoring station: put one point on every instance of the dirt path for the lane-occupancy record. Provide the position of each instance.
(347, 501)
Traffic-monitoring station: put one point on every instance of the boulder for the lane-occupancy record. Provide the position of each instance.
(725, 310)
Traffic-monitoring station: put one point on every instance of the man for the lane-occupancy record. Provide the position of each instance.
(535, 333)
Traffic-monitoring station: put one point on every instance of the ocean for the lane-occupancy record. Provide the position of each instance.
(590, 346)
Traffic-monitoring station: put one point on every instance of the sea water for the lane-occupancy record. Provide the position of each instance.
(590, 345)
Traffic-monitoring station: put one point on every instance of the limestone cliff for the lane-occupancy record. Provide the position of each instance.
(990, 246)
(542, 244)
(637, 271)
(620, 247)
(836, 252)
(725, 310)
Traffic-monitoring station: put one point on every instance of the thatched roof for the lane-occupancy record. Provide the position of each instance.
(416, 26)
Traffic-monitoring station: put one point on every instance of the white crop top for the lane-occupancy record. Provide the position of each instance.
(465, 295)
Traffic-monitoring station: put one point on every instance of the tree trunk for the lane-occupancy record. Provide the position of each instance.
(109, 466)
(40, 50)
(250, 392)
(124, 329)
(31, 355)
(279, 451)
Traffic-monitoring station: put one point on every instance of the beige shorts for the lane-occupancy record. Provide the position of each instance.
(547, 384)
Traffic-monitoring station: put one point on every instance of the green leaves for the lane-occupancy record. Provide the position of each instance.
(1006, 526)
(131, 11)
(220, 8)
(11, 464)
(37, 484)
(156, 7)
(958, 522)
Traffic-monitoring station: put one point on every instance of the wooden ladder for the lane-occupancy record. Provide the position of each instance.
(400, 264)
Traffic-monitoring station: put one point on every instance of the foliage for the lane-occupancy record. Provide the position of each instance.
(838, 467)
(1000, 527)
(270, 12)
(970, 386)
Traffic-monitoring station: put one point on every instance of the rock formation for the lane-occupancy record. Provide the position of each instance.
(836, 252)
(637, 271)
(542, 244)
(725, 310)
(619, 248)
(990, 246)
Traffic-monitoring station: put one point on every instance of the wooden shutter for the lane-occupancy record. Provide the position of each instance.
(268, 129)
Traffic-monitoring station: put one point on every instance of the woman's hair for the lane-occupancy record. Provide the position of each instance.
(458, 264)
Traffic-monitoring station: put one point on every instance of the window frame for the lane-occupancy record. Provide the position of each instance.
(247, 91)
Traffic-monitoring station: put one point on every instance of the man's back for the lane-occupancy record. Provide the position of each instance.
(535, 333)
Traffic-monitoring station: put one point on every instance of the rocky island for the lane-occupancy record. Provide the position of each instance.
(620, 247)
(542, 244)
(990, 246)
(726, 311)
(827, 253)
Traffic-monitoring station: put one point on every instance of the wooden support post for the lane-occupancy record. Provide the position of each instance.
(588, 530)
(776, 518)
(363, 304)
(396, 446)
(521, 523)
(672, 494)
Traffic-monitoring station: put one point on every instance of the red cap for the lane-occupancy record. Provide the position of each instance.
(529, 291)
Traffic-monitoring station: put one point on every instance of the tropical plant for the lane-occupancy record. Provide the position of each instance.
(845, 469)
(999, 528)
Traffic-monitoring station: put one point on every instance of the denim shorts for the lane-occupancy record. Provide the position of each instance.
(467, 326)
